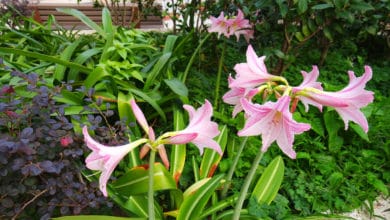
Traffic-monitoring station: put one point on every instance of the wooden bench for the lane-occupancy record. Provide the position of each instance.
(42, 12)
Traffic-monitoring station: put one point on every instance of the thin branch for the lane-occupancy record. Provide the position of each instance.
(28, 203)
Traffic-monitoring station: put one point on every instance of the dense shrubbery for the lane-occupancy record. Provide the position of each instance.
(52, 83)
(41, 156)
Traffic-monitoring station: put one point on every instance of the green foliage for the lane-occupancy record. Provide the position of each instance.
(335, 169)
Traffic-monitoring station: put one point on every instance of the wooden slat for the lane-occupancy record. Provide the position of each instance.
(93, 13)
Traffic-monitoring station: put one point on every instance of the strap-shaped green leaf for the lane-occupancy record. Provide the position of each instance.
(157, 69)
(125, 114)
(97, 74)
(161, 62)
(107, 22)
(135, 181)
(211, 158)
(85, 19)
(95, 217)
(269, 183)
(65, 55)
(139, 206)
(178, 151)
(194, 204)
(45, 58)
(81, 59)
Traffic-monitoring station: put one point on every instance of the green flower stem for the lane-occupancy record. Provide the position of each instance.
(246, 185)
(152, 158)
(220, 66)
(219, 206)
(233, 167)
(184, 78)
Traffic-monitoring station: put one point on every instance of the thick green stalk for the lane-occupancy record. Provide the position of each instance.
(193, 58)
(152, 159)
(233, 167)
(218, 83)
(246, 185)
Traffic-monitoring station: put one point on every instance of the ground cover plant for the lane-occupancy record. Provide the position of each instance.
(159, 100)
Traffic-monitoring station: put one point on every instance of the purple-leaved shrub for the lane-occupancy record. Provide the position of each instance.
(41, 158)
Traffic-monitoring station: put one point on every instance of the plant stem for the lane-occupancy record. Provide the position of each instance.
(220, 65)
(152, 158)
(193, 57)
(246, 185)
(233, 167)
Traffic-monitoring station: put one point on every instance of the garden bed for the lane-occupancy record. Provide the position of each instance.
(195, 123)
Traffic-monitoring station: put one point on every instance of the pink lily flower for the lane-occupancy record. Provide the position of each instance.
(247, 33)
(309, 81)
(240, 25)
(234, 95)
(200, 131)
(347, 102)
(253, 73)
(219, 25)
(104, 158)
(140, 117)
(273, 121)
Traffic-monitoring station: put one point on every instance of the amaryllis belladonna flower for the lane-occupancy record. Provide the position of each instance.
(236, 25)
(347, 102)
(105, 158)
(273, 121)
(200, 131)
(240, 26)
(252, 73)
(235, 94)
(219, 25)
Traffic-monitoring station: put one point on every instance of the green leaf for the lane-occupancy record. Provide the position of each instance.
(282, 7)
(305, 30)
(178, 151)
(322, 6)
(359, 130)
(317, 126)
(85, 19)
(299, 36)
(97, 74)
(157, 69)
(139, 206)
(194, 204)
(335, 179)
(361, 6)
(170, 43)
(327, 33)
(65, 55)
(340, 4)
(177, 86)
(70, 98)
(333, 125)
(107, 22)
(44, 57)
(150, 101)
(135, 181)
(80, 59)
(95, 217)
(125, 114)
(302, 6)
(269, 183)
(211, 158)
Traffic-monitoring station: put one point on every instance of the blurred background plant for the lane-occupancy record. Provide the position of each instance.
(13, 12)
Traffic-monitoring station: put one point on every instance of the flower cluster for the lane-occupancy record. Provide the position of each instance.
(200, 131)
(228, 26)
(273, 120)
